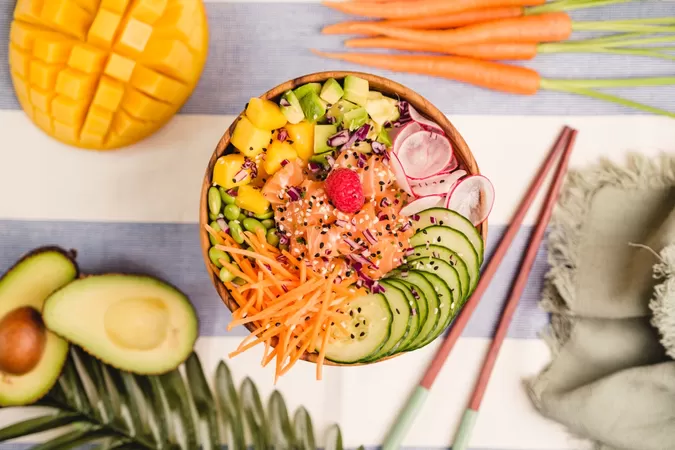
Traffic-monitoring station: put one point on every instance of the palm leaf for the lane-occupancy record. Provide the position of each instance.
(98, 404)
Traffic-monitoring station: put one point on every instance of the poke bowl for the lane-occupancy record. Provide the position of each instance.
(342, 221)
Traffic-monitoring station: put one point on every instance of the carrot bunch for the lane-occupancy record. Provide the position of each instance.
(469, 40)
(293, 309)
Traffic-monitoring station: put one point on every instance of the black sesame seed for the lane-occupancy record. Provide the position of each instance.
(438, 239)
(357, 325)
(363, 333)
(397, 311)
(352, 336)
(316, 255)
(250, 148)
(381, 183)
(424, 232)
(358, 309)
(321, 245)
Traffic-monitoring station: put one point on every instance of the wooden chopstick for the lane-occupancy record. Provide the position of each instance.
(408, 414)
(471, 413)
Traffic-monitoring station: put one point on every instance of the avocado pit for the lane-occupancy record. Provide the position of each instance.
(22, 340)
(137, 323)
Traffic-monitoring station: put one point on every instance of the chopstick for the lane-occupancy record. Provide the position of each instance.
(408, 414)
(471, 413)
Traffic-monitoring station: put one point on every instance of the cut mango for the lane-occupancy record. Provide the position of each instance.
(102, 74)
(227, 168)
(301, 135)
(277, 153)
(250, 140)
(265, 114)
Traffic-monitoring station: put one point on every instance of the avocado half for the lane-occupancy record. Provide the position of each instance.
(136, 323)
(23, 291)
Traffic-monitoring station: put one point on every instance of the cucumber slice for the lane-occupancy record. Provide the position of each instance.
(445, 281)
(418, 282)
(436, 251)
(418, 319)
(449, 218)
(452, 240)
(401, 325)
(369, 330)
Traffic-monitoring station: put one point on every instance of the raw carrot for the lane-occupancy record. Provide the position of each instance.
(435, 22)
(406, 9)
(487, 74)
(489, 51)
(550, 27)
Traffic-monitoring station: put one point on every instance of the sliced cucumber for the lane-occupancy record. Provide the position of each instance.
(454, 240)
(419, 283)
(417, 317)
(445, 281)
(452, 219)
(369, 330)
(436, 251)
(401, 325)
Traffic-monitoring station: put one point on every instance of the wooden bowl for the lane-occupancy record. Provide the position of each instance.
(384, 85)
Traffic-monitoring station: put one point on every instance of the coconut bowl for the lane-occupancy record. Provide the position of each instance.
(381, 84)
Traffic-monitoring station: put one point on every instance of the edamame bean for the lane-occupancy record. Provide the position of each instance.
(272, 237)
(212, 216)
(236, 231)
(241, 217)
(265, 215)
(227, 198)
(268, 223)
(239, 281)
(225, 275)
(253, 225)
(216, 255)
(231, 212)
(215, 202)
(215, 227)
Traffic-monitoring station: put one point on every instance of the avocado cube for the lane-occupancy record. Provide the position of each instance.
(338, 110)
(306, 89)
(331, 91)
(321, 135)
(362, 147)
(356, 90)
(382, 109)
(313, 107)
(290, 107)
(355, 118)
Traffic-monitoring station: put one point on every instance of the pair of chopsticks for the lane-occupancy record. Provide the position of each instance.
(562, 149)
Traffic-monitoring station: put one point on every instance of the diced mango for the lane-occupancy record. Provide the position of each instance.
(149, 11)
(119, 67)
(43, 75)
(87, 59)
(22, 35)
(251, 199)
(66, 133)
(102, 31)
(42, 100)
(301, 137)
(98, 121)
(53, 51)
(248, 139)
(125, 125)
(265, 114)
(278, 152)
(19, 61)
(28, 10)
(44, 121)
(67, 17)
(91, 140)
(133, 38)
(142, 107)
(226, 169)
(89, 5)
(158, 86)
(75, 85)
(69, 112)
(108, 94)
(118, 6)
(21, 86)
(171, 57)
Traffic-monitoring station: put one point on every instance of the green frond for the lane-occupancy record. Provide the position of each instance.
(99, 406)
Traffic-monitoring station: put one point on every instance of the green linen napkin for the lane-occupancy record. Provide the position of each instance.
(611, 295)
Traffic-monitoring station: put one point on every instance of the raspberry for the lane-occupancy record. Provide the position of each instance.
(344, 190)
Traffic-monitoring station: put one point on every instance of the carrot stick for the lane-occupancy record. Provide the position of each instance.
(436, 22)
(489, 51)
(551, 27)
(406, 9)
(487, 74)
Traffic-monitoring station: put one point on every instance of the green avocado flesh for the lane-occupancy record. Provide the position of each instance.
(133, 322)
(28, 284)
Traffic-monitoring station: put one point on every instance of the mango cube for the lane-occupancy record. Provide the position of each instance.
(265, 114)
(251, 199)
(302, 137)
(102, 74)
(277, 153)
(227, 169)
(248, 139)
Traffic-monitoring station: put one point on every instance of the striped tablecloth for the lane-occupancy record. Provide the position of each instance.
(136, 210)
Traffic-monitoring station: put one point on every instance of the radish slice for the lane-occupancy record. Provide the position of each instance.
(473, 198)
(399, 173)
(424, 153)
(438, 184)
(403, 133)
(453, 164)
(416, 206)
(420, 119)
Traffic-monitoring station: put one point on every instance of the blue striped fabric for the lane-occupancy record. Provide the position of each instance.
(255, 46)
(172, 252)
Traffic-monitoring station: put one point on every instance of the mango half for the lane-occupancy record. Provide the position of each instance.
(103, 74)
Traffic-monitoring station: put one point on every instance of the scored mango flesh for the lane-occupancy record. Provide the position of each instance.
(103, 74)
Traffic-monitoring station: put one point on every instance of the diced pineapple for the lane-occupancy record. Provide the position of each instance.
(265, 114)
(226, 169)
(276, 154)
(251, 199)
(248, 139)
(301, 136)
